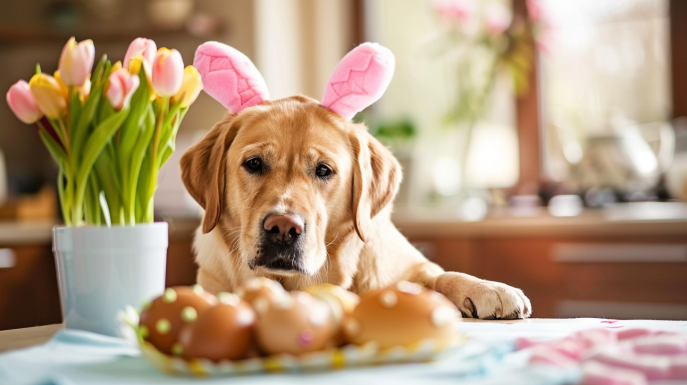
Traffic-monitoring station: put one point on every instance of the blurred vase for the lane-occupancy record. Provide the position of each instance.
(486, 155)
(102, 270)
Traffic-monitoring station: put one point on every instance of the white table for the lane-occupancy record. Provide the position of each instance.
(108, 363)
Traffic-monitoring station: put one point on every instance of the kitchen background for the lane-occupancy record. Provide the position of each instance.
(542, 141)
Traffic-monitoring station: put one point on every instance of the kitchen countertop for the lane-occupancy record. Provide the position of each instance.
(640, 219)
(40, 232)
(636, 219)
(26, 232)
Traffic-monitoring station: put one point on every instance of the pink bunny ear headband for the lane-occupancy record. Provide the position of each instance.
(359, 79)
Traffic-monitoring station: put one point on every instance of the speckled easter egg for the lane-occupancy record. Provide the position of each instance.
(341, 302)
(295, 323)
(222, 332)
(163, 318)
(400, 315)
(260, 291)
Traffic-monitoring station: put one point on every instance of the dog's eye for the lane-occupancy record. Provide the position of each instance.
(322, 171)
(253, 165)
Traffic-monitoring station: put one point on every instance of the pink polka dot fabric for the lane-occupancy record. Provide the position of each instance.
(614, 356)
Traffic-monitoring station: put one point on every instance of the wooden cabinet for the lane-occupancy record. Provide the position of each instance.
(28, 287)
(568, 267)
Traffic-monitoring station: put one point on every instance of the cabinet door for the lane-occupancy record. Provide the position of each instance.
(600, 277)
(28, 287)
(613, 277)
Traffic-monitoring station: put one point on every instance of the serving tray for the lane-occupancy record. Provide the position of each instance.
(330, 359)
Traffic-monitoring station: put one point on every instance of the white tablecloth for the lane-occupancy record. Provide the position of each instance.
(74, 358)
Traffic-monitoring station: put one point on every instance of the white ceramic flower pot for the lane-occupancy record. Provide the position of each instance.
(101, 270)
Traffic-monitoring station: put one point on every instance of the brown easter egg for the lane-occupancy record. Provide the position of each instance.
(296, 323)
(163, 318)
(400, 315)
(222, 332)
(260, 291)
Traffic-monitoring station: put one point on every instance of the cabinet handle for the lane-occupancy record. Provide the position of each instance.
(8, 258)
(619, 252)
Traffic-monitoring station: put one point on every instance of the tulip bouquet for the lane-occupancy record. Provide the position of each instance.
(110, 129)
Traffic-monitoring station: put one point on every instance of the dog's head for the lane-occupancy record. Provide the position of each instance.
(285, 178)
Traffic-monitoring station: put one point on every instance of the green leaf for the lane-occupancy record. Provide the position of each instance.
(130, 136)
(136, 161)
(142, 199)
(93, 214)
(168, 139)
(109, 183)
(64, 206)
(80, 130)
(97, 141)
(140, 103)
(55, 150)
(74, 106)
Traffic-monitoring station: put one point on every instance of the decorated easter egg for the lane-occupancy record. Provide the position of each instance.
(400, 315)
(260, 291)
(295, 323)
(163, 318)
(222, 332)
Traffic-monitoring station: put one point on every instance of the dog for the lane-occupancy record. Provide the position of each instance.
(294, 191)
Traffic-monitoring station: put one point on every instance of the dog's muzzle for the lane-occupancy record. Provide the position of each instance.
(281, 244)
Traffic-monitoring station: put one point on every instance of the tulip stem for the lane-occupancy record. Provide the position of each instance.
(65, 136)
(154, 165)
(71, 175)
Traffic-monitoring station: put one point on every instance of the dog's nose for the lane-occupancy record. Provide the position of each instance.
(284, 227)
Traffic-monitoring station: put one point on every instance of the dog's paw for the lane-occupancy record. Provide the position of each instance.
(477, 298)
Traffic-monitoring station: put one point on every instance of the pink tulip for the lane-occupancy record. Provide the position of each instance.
(498, 19)
(76, 62)
(22, 103)
(454, 10)
(121, 87)
(143, 47)
(168, 72)
(534, 9)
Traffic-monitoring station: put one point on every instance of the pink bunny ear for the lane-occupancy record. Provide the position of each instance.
(359, 79)
(229, 76)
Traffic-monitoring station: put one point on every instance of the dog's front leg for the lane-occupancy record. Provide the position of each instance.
(474, 297)
(210, 282)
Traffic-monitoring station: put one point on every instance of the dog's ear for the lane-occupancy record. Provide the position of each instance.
(229, 76)
(359, 80)
(376, 178)
(203, 170)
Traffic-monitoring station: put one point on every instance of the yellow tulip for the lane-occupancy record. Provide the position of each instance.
(83, 91)
(116, 66)
(49, 94)
(63, 87)
(190, 87)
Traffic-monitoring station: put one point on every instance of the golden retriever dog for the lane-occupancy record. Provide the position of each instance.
(295, 192)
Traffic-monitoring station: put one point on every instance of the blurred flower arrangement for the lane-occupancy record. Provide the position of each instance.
(482, 40)
(109, 128)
